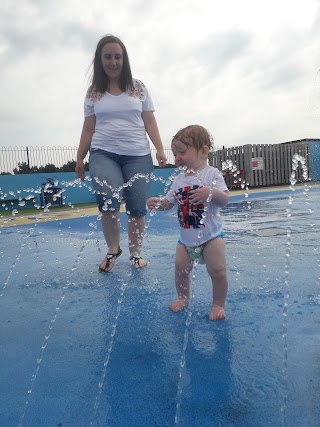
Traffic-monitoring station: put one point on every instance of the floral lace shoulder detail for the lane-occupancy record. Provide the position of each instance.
(93, 95)
(138, 90)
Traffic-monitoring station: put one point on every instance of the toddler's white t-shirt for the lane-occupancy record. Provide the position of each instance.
(198, 222)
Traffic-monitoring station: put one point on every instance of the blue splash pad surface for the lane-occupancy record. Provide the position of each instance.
(79, 348)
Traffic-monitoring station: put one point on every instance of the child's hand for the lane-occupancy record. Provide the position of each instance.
(152, 202)
(199, 195)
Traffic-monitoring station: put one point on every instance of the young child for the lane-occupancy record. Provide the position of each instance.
(200, 192)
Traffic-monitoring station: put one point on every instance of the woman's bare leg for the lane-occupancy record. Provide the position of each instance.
(136, 227)
(110, 222)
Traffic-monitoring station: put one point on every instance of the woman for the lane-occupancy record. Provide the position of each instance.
(118, 114)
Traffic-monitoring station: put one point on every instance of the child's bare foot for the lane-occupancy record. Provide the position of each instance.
(217, 312)
(178, 304)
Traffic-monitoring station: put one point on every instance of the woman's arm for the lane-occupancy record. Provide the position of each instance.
(88, 129)
(151, 126)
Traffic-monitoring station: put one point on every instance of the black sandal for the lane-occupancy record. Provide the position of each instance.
(136, 261)
(109, 259)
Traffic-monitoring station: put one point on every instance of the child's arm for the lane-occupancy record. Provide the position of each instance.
(220, 198)
(158, 203)
(212, 194)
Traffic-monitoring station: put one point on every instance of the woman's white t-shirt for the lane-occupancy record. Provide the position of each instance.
(119, 125)
(200, 222)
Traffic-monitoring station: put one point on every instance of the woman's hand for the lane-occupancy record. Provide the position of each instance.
(80, 169)
(162, 158)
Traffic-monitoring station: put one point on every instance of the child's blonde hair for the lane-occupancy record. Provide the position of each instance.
(195, 135)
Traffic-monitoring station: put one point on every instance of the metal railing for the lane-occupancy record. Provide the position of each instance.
(30, 159)
(258, 165)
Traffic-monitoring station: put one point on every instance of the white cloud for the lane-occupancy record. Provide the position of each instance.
(245, 69)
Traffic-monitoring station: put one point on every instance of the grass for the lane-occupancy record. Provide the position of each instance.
(29, 211)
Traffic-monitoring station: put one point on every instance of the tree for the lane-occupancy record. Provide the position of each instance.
(24, 168)
(69, 166)
(49, 168)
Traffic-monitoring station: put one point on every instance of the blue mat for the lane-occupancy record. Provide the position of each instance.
(79, 348)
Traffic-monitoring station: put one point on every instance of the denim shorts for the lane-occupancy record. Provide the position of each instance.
(115, 177)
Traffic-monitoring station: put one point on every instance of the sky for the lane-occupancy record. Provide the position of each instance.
(247, 70)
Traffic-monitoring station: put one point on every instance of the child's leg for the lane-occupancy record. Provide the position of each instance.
(183, 266)
(215, 258)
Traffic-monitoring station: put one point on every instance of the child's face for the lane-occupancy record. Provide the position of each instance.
(187, 155)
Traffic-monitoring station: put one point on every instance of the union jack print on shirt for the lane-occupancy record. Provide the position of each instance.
(189, 214)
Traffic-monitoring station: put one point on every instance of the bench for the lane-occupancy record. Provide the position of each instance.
(16, 202)
(51, 195)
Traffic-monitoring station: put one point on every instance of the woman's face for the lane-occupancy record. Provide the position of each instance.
(112, 60)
